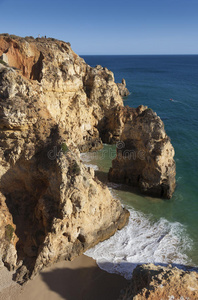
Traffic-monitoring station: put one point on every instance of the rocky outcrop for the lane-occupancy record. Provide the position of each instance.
(76, 95)
(52, 104)
(144, 151)
(86, 104)
(156, 282)
(124, 92)
(51, 206)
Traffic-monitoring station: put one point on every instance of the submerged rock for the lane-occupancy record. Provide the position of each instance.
(157, 282)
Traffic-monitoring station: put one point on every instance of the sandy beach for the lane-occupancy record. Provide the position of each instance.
(79, 279)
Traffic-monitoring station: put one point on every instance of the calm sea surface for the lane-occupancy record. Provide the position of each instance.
(160, 231)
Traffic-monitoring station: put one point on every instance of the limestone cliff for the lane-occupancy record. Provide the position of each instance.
(76, 95)
(52, 104)
(51, 206)
(145, 155)
(157, 282)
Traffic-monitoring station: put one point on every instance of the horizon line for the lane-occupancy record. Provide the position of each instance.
(138, 54)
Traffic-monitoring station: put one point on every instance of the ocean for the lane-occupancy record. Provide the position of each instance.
(159, 231)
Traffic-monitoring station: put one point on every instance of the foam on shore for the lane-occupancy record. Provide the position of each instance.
(85, 157)
(141, 241)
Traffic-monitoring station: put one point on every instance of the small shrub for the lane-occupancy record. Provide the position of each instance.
(13, 36)
(64, 148)
(9, 230)
(5, 34)
(76, 169)
(29, 38)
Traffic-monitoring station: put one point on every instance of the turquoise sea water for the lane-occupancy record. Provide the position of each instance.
(152, 81)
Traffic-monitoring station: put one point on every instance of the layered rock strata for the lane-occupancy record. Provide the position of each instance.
(51, 206)
(156, 282)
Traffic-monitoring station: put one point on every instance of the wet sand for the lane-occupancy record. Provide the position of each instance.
(80, 279)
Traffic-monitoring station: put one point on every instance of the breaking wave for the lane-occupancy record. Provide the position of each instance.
(142, 241)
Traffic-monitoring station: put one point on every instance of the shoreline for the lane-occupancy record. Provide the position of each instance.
(78, 279)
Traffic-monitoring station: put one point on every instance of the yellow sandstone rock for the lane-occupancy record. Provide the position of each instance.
(157, 282)
(51, 206)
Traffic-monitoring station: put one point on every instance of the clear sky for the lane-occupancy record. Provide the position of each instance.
(107, 26)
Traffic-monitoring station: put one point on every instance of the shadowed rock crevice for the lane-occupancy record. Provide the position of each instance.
(36, 73)
(33, 199)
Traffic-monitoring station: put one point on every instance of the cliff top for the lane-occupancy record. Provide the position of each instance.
(31, 38)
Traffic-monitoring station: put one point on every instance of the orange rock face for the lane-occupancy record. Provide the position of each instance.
(75, 94)
(22, 56)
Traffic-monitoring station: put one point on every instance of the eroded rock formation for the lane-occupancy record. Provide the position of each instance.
(52, 104)
(51, 206)
(124, 92)
(156, 282)
(76, 95)
(144, 151)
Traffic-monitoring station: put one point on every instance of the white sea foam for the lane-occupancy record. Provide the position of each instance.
(86, 158)
(142, 241)
(112, 186)
(92, 166)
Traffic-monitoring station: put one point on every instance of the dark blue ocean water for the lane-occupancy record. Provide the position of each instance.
(152, 81)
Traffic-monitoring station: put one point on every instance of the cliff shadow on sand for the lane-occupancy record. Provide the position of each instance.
(84, 283)
(79, 279)
(82, 279)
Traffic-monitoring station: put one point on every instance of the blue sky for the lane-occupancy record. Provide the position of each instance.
(107, 26)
